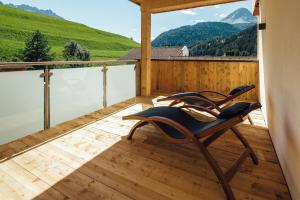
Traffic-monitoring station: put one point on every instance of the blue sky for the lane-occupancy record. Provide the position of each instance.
(123, 17)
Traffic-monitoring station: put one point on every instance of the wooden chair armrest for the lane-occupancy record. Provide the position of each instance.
(209, 102)
(163, 99)
(163, 120)
(213, 92)
(200, 108)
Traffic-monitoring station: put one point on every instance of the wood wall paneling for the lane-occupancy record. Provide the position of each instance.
(170, 76)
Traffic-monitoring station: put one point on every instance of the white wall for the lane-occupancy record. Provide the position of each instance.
(279, 55)
(185, 51)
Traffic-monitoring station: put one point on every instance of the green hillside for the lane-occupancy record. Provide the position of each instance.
(16, 25)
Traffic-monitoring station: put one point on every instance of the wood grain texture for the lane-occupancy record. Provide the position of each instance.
(181, 76)
(158, 6)
(138, 79)
(146, 50)
(89, 158)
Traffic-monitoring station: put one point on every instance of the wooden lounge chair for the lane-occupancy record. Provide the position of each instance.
(199, 98)
(180, 127)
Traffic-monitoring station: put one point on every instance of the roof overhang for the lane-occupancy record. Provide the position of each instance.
(159, 6)
(255, 7)
(138, 2)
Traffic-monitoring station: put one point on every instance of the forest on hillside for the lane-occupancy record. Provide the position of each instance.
(241, 44)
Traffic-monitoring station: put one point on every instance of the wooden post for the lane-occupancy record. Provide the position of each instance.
(138, 79)
(104, 70)
(146, 50)
(46, 76)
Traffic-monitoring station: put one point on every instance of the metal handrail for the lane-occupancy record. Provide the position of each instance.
(23, 66)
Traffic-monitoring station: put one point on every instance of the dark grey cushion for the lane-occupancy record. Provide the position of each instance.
(178, 115)
(234, 110)
(243, 88)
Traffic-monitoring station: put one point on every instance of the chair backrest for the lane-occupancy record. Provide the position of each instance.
(239, 109)
(241, 89)
(230, 117)
(235, 93)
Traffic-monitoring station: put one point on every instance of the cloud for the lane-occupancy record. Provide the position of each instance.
(222, 15)
(188, 12)
(198, 20)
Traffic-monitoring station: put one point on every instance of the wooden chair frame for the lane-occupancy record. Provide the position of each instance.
(226, 99)
(218, 105)
(203, 141)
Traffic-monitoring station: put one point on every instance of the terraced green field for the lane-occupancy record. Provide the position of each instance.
(17, 25)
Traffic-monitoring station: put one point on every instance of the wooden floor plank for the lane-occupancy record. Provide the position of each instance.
(89, 158)
(63, 178)
(32, 183)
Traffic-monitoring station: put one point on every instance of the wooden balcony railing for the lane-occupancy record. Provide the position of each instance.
(167, 76)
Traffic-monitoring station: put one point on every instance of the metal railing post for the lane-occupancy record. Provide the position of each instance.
(46, 75)
(104, 70)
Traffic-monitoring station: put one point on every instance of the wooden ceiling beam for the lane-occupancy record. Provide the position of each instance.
(159, 6)
(255, 8)
(137, 1)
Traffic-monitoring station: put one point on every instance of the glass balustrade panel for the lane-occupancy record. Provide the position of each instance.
(75, 92)
(121, 84)
(21, 104)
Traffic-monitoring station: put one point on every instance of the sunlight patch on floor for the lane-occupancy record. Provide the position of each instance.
(87, 143)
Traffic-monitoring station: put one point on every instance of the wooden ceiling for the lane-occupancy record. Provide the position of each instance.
(255, 7)
(158, 6)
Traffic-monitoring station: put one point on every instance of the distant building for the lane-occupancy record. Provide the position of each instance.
(159, 53)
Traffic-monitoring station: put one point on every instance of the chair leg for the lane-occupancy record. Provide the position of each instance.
(218, 171)
(136, 126)
(250, 120)
(246, 145)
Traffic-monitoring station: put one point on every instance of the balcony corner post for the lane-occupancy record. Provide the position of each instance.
(146, 50)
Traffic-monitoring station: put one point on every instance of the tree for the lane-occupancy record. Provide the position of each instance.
(37, 48)
(73, 51)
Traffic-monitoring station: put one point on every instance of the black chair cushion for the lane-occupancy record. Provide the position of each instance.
(196, 102)
(243, 88)
(179, 116)
(234, 110)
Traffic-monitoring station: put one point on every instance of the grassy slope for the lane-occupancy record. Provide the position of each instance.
(16, 25)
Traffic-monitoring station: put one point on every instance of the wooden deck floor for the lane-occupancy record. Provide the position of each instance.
(89, 158)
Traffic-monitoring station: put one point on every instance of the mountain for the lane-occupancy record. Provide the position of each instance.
(188, 35)
(235, 22)
(17, 25)
(33, 9)
(240, 16)
(243, 26)
(241, 44)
